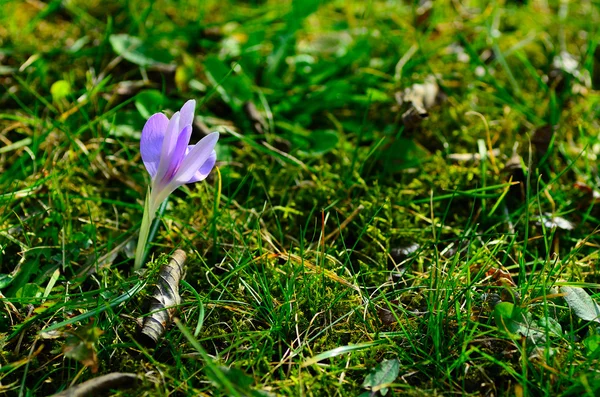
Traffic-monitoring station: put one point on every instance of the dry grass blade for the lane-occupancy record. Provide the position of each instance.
(164, 300)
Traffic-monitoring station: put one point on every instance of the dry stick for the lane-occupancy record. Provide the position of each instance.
(341, 227)
(93, 387)
(165, 299)
(344, 223)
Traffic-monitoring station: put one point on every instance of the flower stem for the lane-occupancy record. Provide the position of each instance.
(144, 232)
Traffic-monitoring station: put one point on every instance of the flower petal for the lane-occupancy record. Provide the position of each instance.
(205, 169)
(160, 193)
(169, 143)
(196, 157)
(179, 151)
(187, 114)
(151, 141)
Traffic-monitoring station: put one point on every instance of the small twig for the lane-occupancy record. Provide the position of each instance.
(344, 223)
(93, 387)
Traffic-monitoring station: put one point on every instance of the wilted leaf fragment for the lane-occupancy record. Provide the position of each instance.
(164, 300)
(581, 303)
(421, 96)
(382, 376)
(80, 346)
(93, 387)
(502, 278)
(555, 222)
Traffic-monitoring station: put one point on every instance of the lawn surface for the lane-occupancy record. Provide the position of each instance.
(405, 200)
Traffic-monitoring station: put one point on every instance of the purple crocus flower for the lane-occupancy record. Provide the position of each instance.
(169, 158)
(171, 162)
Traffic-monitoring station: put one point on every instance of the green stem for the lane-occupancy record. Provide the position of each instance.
(144, 232)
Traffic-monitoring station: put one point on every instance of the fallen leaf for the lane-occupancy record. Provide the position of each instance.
(382, 376)
(581, 303)
(164, 300)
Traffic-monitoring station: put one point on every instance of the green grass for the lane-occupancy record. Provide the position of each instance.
(338, 241)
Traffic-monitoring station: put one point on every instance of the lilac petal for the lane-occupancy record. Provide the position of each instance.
(151, 141)
(179, 151)
(187, 114)
(205, 169)
(169, 143)
(196, 157)
(161, 193)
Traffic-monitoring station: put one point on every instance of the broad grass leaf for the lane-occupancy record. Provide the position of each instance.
(382, 375)
(581, 303)
(592, 345)
(29, 290)
(301, 10)
(135, 51)
(124, 124)
(148, 102)
(322, 141)
(516, 322)
(234, 89)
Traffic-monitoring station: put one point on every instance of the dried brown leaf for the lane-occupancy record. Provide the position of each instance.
(164, 300)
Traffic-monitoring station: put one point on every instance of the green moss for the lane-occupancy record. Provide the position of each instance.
(293, 250)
